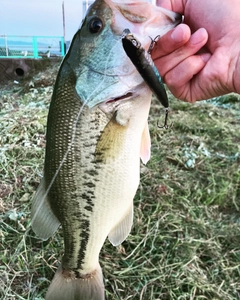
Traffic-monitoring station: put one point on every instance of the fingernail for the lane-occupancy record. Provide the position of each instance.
(205, 57)
(178, 34)
(198, 36)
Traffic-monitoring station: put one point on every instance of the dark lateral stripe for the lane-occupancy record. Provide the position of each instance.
(84, 236)
(88, 208)
(92, 172)
(90, 184)
(89, 201)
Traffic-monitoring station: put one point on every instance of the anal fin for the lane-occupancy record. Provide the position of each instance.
(44, 222)
(121, 231)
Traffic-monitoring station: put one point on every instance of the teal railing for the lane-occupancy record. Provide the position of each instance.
(31, 46)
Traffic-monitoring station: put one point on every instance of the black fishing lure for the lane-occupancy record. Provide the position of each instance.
(144, 64)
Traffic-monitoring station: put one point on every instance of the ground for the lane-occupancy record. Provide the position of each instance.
(185, 242)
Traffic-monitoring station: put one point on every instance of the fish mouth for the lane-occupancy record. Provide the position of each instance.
(123, 97)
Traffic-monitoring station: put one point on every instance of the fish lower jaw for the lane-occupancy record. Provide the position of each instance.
(123, 97)
(110, 105)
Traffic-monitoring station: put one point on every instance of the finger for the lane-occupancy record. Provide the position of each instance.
(179, 79)
(164, 3)
(171, 41)
(170, 61)
(175, 5)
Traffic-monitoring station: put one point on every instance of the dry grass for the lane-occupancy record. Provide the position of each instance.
(185, 243)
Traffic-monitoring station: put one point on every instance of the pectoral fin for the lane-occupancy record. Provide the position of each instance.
(44, 222)
(120, 232)
(145, 150)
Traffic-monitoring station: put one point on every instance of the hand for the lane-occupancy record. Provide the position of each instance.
(206, 63)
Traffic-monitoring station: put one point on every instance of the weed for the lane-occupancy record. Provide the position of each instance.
(185, 242)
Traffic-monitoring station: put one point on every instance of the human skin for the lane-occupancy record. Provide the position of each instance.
(200, 59)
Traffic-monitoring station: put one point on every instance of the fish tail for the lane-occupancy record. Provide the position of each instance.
(66, 288)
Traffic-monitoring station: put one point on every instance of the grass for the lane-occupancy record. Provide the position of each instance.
(185, 242)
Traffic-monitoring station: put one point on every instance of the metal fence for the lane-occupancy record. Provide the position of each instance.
(31, 46)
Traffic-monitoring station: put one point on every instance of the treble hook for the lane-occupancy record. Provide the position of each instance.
(166, 119)
(153, 42)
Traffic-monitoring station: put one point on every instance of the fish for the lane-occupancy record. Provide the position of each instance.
(97, 131)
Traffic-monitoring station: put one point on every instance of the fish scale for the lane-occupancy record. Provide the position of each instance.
(97, 131)
(78, 172)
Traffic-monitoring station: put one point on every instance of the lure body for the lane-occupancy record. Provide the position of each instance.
(144, 64)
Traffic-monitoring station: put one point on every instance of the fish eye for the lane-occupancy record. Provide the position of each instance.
(95, 25)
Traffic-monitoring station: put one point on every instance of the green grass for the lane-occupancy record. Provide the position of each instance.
(185, 242)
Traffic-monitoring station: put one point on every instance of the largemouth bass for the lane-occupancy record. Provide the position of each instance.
(97, 131)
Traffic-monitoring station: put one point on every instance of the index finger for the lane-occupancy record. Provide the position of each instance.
(171, 41)
(174, 5)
